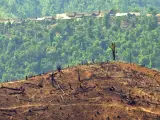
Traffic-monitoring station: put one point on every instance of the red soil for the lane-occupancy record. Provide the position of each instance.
(104, 91)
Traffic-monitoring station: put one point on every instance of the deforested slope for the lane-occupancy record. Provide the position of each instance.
(100, 91)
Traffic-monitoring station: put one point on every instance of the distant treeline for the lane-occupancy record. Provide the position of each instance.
(38, 8)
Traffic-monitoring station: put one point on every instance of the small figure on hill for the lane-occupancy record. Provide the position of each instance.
(26, 77)
(59, 69)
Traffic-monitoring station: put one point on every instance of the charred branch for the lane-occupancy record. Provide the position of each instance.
(70, 86)
(9, 110)
(38, 109)
(14, 93)
(16, 89)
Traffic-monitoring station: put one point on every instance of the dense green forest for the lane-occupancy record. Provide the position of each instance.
(32, 48)
(38, 8)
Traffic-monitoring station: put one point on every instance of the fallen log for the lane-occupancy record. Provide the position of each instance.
(14, 93)
(8, 110)
(16, 89)
(42, 108)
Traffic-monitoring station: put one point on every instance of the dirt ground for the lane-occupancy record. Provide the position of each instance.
(101, 91)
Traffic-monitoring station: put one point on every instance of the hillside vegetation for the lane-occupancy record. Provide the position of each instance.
(99, 91)
(37, 8)
(32, 48)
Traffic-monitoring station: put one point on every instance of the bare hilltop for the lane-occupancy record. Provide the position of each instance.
(99, 91)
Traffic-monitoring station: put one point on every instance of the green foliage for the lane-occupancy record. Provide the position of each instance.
(32, 48)
(37, 8)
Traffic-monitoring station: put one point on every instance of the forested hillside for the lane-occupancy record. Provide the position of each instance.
(32, 48)
(38, 8)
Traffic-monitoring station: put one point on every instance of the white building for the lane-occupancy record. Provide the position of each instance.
(121, 14)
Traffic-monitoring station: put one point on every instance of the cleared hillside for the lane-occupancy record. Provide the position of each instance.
(101, 91)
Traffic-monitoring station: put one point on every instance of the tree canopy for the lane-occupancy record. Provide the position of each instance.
(38, 8)
(33, 48)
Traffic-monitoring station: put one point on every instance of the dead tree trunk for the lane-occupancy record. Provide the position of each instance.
(53, 80)
(113, 47)
(78, 73)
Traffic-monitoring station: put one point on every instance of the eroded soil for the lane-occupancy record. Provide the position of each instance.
(102, 91)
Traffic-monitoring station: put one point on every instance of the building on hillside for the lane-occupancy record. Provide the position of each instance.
(66, 18)
(32, 19)
(95, 14)
(40, 19)
(48, 18)
(79, 16)
(87, 14)
(102, 13)
(71, 14)
(134, 13)
(121, 14)
(61, 16)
